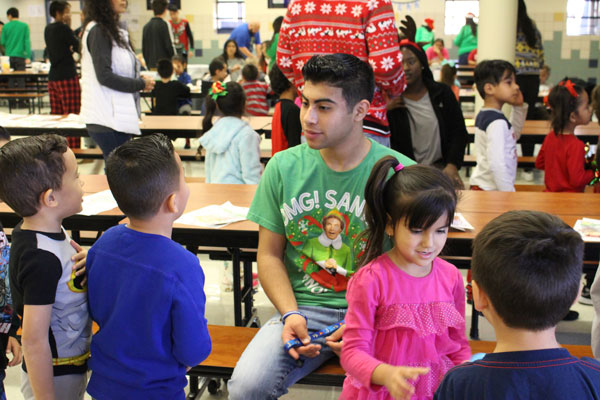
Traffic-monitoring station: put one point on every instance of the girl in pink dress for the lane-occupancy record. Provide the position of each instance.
(405, 324)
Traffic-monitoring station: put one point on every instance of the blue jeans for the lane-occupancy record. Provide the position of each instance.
(384, 140)
(265, 370)
(108, 140)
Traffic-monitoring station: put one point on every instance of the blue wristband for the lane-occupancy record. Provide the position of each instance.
(287, 314)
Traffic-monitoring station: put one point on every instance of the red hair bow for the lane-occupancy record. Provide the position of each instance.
(570, 87)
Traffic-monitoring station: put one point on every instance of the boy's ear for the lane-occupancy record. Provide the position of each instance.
(361, 109)
(171, 203)
(488, 89)
(48, 198)
(480, 297)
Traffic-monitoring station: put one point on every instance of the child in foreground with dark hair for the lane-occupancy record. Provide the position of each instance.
(48, 294)
(496, 137)
(146, 292)
(286, 128)
(562, 155)
(232, 146)
(168, 92)
(406, 307)
(526, 272)
(256, 91)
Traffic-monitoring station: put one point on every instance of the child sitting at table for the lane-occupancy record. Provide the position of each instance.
(256, 91)
(562, 155)
(232, 146)
(184, 105)
(168, 92)
(41, 184)
(146, 292)
(526, 271)
(495, 137)
(286, 128)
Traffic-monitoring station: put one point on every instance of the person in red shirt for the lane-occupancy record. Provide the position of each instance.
(182, 33)
(256, 91)
(562, 155)
(286, 128)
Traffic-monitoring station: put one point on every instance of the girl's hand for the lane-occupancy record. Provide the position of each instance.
(452, 172)
(79, 260)
(149, 83)
(335, 340)
(398, 380)
(14, 347)
(295, 327)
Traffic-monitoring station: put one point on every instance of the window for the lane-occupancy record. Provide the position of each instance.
(229, 14)
(583, 17)
(456, 10)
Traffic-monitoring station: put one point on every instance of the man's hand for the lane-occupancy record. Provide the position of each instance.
(335, 340)
(295, 327)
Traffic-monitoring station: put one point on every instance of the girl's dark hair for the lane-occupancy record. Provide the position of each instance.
(419, 194)
(448, 74)
(473, 26)
(276, 26)
(238, 53)
(102, 12)
(526, 25)
(230, 105)
(562, 104)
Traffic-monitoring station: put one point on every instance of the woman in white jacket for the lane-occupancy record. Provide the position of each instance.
(110, 76)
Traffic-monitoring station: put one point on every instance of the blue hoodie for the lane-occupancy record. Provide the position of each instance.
(232, 152)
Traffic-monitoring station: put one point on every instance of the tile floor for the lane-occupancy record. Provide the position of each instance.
(219, 309)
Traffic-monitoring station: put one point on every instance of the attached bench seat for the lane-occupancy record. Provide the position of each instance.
(469, 160)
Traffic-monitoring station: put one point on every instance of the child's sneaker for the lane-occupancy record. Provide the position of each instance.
(586, 297)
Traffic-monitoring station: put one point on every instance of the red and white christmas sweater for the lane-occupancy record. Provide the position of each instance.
(363, 28)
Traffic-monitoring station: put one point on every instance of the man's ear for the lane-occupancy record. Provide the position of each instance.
(48, 198)
(360, 110)
(480, 297)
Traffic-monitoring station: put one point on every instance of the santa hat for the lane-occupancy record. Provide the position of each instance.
(429, 23)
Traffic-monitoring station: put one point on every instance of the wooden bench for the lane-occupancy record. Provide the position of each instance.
(469, 160)
(184, 154)
(228, 343)
(24, 96)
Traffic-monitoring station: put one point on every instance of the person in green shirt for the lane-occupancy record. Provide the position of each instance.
(466, 40)
(425, 36)
(303, 189)
(272, 49)
(16, 41)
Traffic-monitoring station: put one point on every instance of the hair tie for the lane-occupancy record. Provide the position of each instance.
(217, 89)
(407, 42)
(570, 87)
(398, 167)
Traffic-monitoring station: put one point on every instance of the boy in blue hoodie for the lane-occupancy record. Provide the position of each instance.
(146, 292)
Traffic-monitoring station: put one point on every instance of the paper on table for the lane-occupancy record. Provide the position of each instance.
(214, 216)
(98, 202)
(461, 223)
(589, 229)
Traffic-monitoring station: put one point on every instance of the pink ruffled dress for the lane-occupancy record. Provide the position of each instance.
(398, 319)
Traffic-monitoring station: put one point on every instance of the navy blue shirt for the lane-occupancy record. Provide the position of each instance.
(538, 374)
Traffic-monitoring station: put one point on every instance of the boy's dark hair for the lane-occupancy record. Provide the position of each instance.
(529, 264)
(180, 59)
(173, 7)
(448, 74)
(30, 166)
(13, 12)
(4, 135)
(491, 71)
(164, 67)
(562, 104)
(141, 174)
(279, 83)
(250, 72)
(58, 6)
(343, 71)
(159, 6)
(420, 194)
(232, 104)
(214, 66)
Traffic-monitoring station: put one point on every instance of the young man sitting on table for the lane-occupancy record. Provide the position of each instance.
(330, 172)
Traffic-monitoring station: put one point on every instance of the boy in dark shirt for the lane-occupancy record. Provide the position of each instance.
(146, 292)
(47, 294)
(63, 82)
(526, 274)
(286, 127)
(166, 92)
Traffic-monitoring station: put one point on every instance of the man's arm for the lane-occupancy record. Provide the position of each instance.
(246, 52)
(167, 43)
(36, 348)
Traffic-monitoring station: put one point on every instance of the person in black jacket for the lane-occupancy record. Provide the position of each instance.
(426, 122)
(157, 37)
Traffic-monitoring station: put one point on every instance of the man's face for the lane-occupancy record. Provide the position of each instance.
(326, 120)
(333, 228)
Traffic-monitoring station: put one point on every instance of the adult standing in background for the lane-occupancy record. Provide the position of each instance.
(16, 41)
(63, 82)
(365, 29)
(233, 58)
(182, 33)
(272, 50)
(157, 36)
(110, 77)
(466, 40)
(245, 35)
(425, 35)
